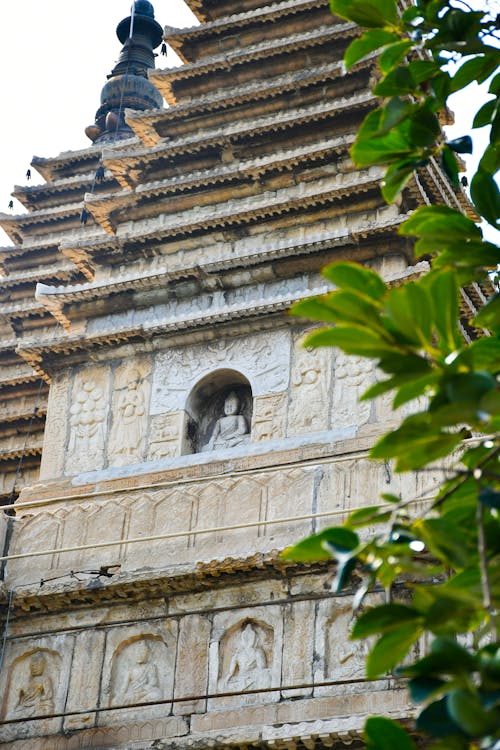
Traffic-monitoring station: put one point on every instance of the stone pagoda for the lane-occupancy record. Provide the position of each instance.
(163, 432)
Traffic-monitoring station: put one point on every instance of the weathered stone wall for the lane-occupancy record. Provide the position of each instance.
(123, 413)
(290, 633)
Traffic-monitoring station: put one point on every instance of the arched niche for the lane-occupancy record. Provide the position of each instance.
(207, 406)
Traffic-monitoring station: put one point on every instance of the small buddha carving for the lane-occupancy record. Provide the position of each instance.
(231, 429)
(141, 683)
(248, 666)
(37, 695)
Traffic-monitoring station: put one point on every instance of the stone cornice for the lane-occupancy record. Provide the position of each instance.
(175, 36)
(33, 197)
(102, 206)
(33, 352)
(62, 270)
(367, 223)
(17, 375)
(126, 167)
(240, 311)
(49, 167)
(23, 309)
(130, 587)
(163, 79)
(144, 123)
(242, 253)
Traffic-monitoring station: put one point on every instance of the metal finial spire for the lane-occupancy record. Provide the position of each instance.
(128, 85)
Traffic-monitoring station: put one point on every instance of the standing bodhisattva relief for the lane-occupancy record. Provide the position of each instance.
(231, 429)
(129, 433)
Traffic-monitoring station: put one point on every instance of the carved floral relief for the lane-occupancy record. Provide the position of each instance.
(87, 421)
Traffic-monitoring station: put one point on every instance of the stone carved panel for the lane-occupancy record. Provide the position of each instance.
(309, 408)
(264, 359)
(55, 428)
(84, 683)
(245, 655)
(340, 659)
(32, 691)
(129, 408)
(166, 436)
(138, 668)
(88, 421)
(135, 677)
(269, 418)
(34, 684)
(231, 427)
(183, 511)
(352, 377)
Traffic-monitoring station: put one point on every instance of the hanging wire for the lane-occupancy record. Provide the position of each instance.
(28, 435)
(6, 628)
(206, 696)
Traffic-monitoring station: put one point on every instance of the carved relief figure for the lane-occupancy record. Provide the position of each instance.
(231, 429)
(136, 672)
(88, 414)
(345, 658)
(309, 402)
(129, 433)
(142, 683)
(36, 696)
(248, 667)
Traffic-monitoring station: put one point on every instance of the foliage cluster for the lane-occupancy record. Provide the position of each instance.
(440, 568)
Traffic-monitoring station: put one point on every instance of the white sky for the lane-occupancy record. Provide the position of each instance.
(54, 58)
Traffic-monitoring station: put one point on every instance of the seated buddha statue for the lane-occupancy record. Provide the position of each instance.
(231, 429)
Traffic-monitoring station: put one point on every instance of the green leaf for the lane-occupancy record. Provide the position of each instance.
(393, 54)
(486, 196)
(424, 126)
(489, 315)
(315, 308)
(383, 619)
(466, 710)
(414, 445)
(422, 70)
(421, 688)
(396, 178)
(397, 82)
(462, 145)
(444, 540)
(414, 389)
(365, 516)
(385, 734)
(489, 497)
(356, 278)
(352, 340)
(371, 13)
(443, 287)
(440, 222)
(385, 149)
(478, 69)
(450, 165)
(394, 112)
(391, 649)
(436, 721)
(410, 309)
(446, 657)
(313, 548)
(485, 114)
(371, 40)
